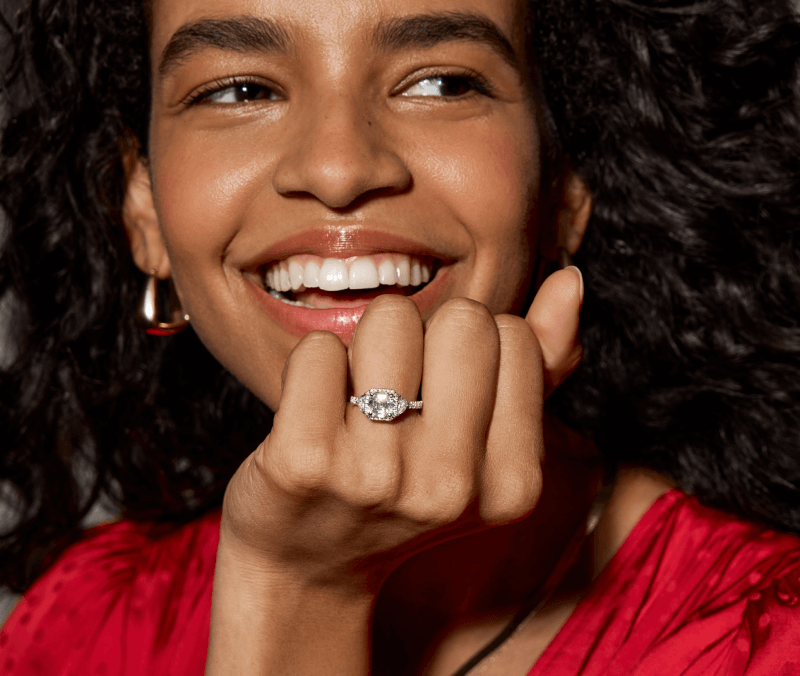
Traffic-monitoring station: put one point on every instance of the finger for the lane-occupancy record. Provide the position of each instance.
(298, 451)
(458, 388)
(554, 317)
(386, 354)
(512, 477)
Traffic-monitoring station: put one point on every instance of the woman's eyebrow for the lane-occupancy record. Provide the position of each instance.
(249, 34)
(239, 34)
(429, 30)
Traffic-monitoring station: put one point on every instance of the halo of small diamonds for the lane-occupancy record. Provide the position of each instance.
(383, 405)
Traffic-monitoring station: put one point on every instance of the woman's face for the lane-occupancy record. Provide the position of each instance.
(305, 146)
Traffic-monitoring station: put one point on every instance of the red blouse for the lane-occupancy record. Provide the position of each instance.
(691, 592)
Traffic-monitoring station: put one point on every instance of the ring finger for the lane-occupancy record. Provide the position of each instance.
(386, 353)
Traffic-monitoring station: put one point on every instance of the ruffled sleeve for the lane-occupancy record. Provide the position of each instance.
(751, 629)
(692, 591)
(770, 633)
(130, 598)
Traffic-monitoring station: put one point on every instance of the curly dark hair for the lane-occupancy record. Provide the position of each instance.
(682, 117)
(90, 404)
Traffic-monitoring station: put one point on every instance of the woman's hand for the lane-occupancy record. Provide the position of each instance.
(331, 502)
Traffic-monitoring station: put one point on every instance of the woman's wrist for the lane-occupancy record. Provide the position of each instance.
(269, 619)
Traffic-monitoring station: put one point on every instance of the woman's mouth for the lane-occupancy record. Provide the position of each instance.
(318, 283)
(324, 279)
(306, 292)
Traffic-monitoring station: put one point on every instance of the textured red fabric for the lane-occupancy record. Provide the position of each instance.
(128, 600)
(691, 592)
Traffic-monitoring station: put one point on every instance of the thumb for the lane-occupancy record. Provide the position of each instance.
(554, 318)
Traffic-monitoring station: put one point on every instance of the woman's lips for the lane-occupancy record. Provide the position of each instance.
(346, 242)
(345, 308)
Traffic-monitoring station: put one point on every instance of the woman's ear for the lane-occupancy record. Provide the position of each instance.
(573, 209)
(574, 216)
(140, 219)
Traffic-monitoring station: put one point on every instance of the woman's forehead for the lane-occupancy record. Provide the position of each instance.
(354, 22)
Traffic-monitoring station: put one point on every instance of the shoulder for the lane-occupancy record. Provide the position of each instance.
(692, 591)
(128, 587)
(726, 592)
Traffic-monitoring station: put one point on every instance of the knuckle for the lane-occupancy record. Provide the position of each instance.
(425, 514)
(444, 503)
(394, 306)
(516, 331)
(511, 323)
(377, 485)
(452, 510)
(319, 344)
(464, 313)
(513, 498)
(299, 469)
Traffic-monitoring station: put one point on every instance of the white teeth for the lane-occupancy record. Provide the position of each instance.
(416, 274)
(295, 275)
(363, 274)
(311, 275)
(387, 273)
(279, 296)
(285, 283)
(333, 275)
(404, 272)
(306, 271)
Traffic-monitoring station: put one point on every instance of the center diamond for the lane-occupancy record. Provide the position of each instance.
(382, 404)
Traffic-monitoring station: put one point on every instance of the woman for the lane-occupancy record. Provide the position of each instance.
(285, 163)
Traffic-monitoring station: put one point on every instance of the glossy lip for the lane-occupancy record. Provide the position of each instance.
(344, 242)
(299, 321)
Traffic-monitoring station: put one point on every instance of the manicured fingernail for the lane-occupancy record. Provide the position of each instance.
(580, 276)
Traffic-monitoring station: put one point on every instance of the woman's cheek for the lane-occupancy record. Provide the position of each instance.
(490, 179)
(201, 188)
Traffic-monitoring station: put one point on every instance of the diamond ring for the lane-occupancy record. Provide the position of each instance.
(384, 405)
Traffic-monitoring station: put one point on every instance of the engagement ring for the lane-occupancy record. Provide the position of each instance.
(384, 405)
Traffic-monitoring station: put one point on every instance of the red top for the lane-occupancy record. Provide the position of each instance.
(691, 592)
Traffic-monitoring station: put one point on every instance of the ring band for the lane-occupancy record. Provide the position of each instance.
(383, 405)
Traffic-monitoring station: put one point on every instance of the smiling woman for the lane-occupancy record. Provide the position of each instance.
(357, 206)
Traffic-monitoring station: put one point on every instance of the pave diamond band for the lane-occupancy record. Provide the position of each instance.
(383, 405)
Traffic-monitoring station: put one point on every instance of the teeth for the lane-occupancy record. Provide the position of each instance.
(416, 274)
(403, 273)
(311, 275)
(285, 283)
(364, 274)
(387, 273)
(284, 299)
(295, 275)
(332, 274)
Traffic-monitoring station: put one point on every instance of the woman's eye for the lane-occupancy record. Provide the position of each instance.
(447, 86)
(238, 93)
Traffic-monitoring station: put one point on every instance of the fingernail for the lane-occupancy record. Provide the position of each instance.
(580, 276)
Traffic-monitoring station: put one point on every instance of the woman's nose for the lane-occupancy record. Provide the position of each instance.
(338, 155)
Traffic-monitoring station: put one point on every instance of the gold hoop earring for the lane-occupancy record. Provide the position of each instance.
(150, 311)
